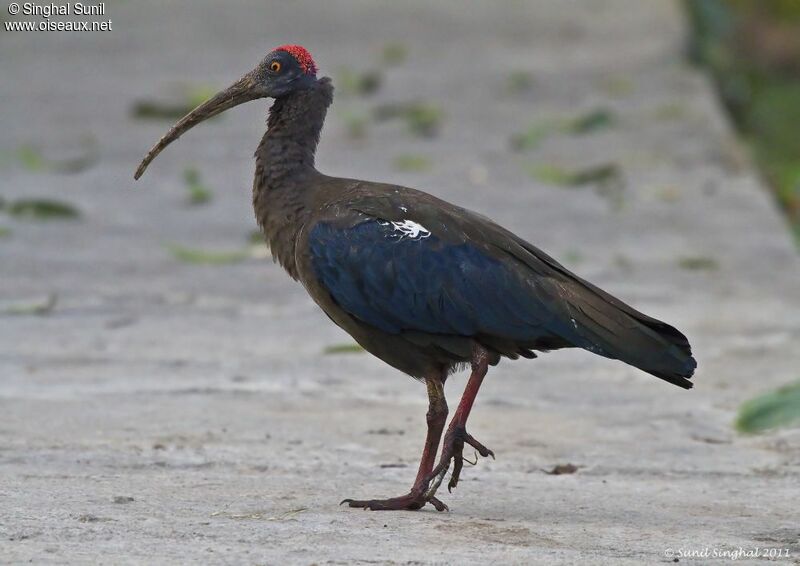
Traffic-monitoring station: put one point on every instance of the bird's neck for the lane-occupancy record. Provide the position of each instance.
(285, 172)
(293, 127)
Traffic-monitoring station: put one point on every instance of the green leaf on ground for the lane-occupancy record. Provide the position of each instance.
(33, 159)
(520, 81)
(191, 97)
(30, 158)
(550, 174)
(771, 410)
(671, 111)
(394, 53)
(5, 232)
(356, 125)
(41, 209)
(591, 121)
(607, 180)
(532, 137)
(198, 94)
(423, 119)
(343, 349)
(573, 256)
(155, 110)
(555, 175)
(207, 257)
(350, 82)
(39, 308)
(412, 162)
(198, 192)
(617, 86)
(698, 263)
(669, 193)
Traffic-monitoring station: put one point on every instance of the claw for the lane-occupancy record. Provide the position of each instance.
(455, 454)
(438, 504)
(424, 492)
(458, 463)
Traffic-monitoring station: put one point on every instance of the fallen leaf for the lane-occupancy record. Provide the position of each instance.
(41, 209)
(207, 257)
(412, 162)
(198, 192)
(189, 98)
(36, 308)
(562, 469)
(698, 262)
(771, 410)
(394, 53)
(358, 83)
(33, 159)
(590, 122)
(520, 81)
(343, 349)
(422, 118)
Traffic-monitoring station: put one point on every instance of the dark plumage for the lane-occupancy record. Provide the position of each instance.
(420, 283)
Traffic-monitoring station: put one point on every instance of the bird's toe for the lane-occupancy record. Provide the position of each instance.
(454, 453)
(481, 449)
(408, 502)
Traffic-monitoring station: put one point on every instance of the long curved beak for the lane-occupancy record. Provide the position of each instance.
(243, 90)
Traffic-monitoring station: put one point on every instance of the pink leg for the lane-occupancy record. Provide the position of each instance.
(416, 498)
(457, 436)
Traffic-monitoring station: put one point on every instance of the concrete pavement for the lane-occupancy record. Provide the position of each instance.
(166, 412)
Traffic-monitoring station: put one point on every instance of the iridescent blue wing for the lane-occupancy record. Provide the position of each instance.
(399, 276)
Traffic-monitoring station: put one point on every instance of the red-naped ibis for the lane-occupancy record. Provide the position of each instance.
(424, 285)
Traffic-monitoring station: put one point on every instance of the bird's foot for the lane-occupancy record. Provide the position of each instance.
(412, 501)
(454, 451)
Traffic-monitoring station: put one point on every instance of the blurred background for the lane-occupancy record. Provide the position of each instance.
(752, 50)
(162, 382)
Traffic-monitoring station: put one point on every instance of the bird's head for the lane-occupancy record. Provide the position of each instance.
(286, 69)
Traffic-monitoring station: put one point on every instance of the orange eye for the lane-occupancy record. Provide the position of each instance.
(275, 66)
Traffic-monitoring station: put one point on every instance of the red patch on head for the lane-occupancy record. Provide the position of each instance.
(303, 57)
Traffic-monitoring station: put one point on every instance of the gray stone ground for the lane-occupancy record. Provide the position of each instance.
(202, 391)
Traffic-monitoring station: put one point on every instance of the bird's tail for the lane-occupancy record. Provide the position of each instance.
(606, 326)
(613, 329)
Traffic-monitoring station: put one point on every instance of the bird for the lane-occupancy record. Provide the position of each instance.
(424, 285)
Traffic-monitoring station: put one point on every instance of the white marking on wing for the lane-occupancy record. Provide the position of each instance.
(411, 229)
(408, 229)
